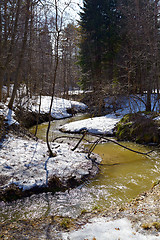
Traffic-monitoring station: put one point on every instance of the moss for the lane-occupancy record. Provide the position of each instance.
(123, 130)
(139, 128)
(156, 225)
(65, 223)
(83, 211)
(146, 226)
(95, 208)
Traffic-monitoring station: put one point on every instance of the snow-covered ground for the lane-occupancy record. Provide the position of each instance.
(103, 229)
(106, 124)
(97, 125)
(26, 163)
(8, 114)
(59, 107)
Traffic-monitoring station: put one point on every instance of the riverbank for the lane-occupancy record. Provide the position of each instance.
(134, 214)
(26, 167)
(138, 219)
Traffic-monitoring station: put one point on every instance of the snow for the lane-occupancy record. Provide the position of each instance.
(10, 117)
(59, 107)
(103, 229)
(131, 103)
(8, 114)
(26, 162)
(106, 124)
(97, 125)
(157, 118)
(27, 165)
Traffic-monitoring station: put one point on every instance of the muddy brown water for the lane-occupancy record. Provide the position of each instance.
(122, 177)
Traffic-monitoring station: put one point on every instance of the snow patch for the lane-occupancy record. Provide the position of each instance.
(26, 163)
(8, 114)
(97, 125)
(102, 229)
(59, 107)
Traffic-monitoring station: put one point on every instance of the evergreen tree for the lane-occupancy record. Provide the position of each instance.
(100, 41)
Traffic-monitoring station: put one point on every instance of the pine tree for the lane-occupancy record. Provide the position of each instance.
(100, 23)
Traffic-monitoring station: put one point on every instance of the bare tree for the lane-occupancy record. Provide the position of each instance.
(140, 55)
(8, 31)
(58, 21)
(22, 52)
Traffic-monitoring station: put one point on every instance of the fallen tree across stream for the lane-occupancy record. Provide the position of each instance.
(99, 139)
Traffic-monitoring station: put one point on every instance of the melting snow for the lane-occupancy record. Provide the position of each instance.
(8, 114)
(100, 229)
(26, 163)
(98, 125)
(59, 107)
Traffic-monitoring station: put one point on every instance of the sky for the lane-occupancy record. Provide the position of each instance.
(74, 9)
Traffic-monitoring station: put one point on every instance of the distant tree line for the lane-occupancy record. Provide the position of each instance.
(27, 48)
(113, 50)
(119, 48)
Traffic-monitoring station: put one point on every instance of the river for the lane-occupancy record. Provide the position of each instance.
(123, 175)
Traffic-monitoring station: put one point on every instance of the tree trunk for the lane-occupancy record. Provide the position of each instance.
(51, 154)
(1, 72)
(10, 105)
(13, 29)
(148, 104)
(58, 30)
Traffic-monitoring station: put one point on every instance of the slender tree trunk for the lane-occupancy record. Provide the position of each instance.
(39, 110)
(51, 154)
(58, 30)
(4, 66)
(148, 105)
(10, 105)
(1, 71)
(8, 84)
(1, 83)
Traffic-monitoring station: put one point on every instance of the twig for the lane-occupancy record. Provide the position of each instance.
(105, 138)
(93, 146)
(84, 134)
(71, 138)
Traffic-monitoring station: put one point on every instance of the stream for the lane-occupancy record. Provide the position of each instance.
(122, 177)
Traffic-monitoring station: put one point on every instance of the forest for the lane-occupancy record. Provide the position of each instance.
(79, 119)
(112, 50)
